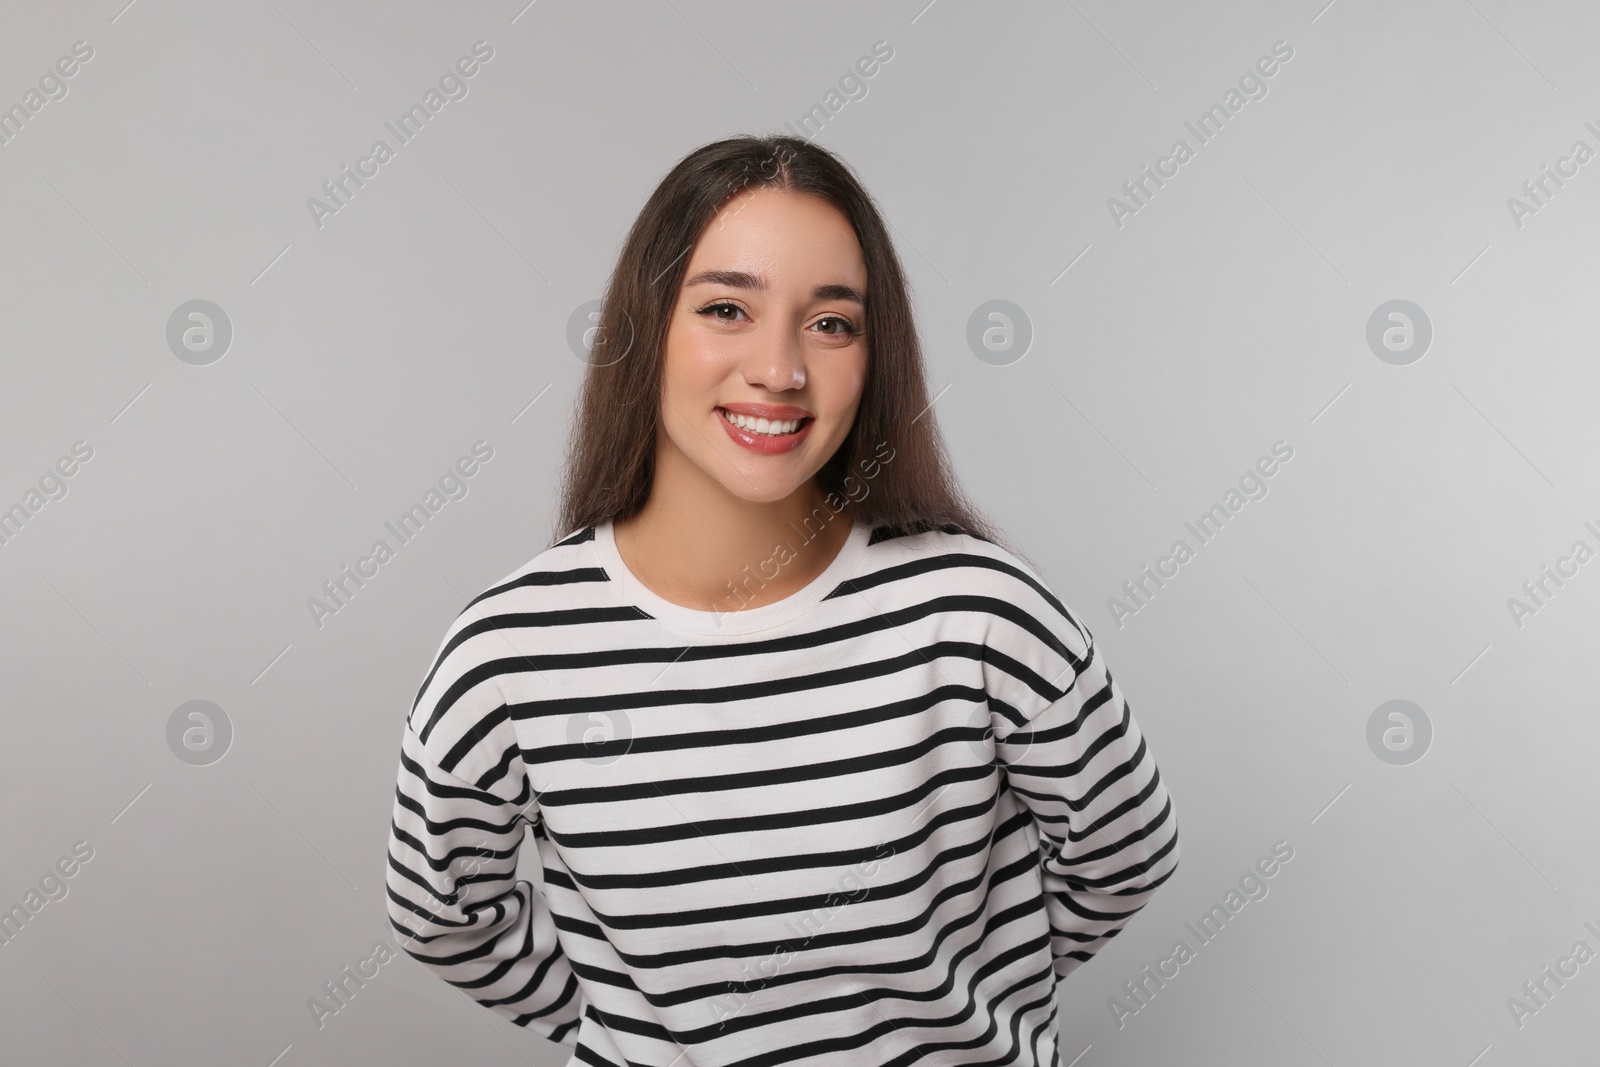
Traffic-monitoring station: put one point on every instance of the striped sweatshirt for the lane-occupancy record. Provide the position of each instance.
(874, 822)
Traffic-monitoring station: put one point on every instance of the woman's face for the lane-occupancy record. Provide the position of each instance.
(769, 325)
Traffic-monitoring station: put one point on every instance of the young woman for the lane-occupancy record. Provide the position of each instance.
(817, 769)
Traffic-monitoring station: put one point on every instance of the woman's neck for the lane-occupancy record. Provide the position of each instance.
(697, 552)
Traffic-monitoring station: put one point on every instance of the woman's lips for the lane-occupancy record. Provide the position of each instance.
(765, 444)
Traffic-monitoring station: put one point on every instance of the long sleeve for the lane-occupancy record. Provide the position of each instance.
(462, 806)
(1109, 836)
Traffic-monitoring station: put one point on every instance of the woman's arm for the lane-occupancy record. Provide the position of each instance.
(1079, 762)
(462, 805)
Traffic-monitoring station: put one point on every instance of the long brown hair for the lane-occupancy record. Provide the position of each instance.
(612, 438)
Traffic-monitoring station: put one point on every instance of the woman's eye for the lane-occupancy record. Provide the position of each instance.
(841, 326)
(711, 309)
(845, 328)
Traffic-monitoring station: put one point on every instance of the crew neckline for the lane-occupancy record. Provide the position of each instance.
(736, 620)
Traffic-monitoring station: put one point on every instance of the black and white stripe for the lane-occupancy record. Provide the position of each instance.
(877, 832)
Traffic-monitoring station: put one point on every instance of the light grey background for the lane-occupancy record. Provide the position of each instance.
(432, 311)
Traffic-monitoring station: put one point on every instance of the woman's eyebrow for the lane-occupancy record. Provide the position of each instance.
(739, 279)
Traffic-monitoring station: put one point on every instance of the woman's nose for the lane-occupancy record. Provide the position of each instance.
(777, 362)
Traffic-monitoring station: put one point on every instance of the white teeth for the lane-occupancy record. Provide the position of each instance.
(771, 428)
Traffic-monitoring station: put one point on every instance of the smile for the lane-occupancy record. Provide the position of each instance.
(765, 427)
(766, 437)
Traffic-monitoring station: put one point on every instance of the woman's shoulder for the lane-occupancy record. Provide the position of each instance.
(953, 559)
(555, 576)
(948, 547)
